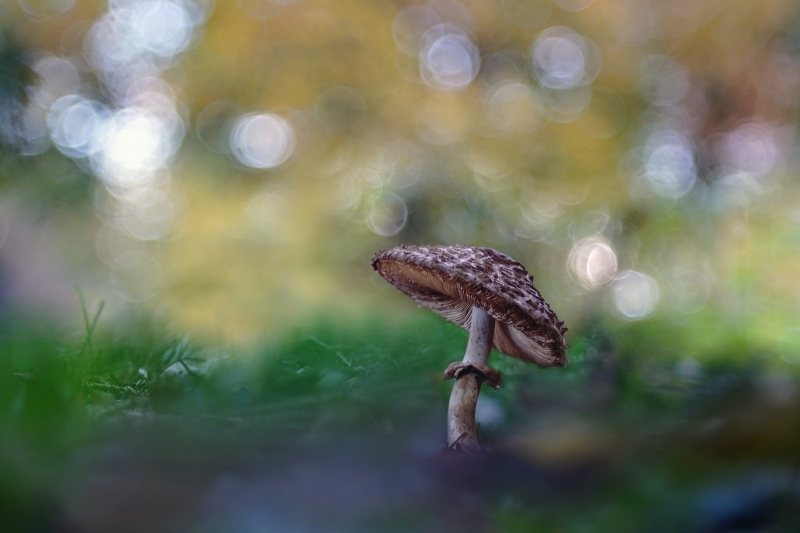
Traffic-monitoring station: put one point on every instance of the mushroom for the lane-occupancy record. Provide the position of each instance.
(490, 295)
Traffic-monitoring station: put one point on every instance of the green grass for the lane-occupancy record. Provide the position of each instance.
(335, 428)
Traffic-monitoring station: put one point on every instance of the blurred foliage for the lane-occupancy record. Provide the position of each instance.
(248, 157)
(15, 76)
(342, 429)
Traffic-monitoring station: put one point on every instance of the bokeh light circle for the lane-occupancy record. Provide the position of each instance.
(635, 294)
(163, 27)
(593, 262)
(141, 35)
(751, 147)
(562, 58)
(669, 167)
(262, 140)
(387, 214)
(73, 123)
(449, 60)
(133, 143)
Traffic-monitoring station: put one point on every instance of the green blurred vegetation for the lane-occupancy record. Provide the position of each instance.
(337, 429)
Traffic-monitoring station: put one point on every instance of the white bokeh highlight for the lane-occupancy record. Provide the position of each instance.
(669, 166)
(635, 294)
(449, 60)
(133, 144)
(562, 58)
(262, 140)
(593, 262)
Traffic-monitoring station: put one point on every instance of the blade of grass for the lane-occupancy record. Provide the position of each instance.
(90, 326)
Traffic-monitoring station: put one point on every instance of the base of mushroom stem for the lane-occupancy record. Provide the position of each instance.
(457, 369)
(462, 431)
(459, 449)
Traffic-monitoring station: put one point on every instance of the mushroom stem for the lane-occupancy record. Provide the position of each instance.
(462, 432)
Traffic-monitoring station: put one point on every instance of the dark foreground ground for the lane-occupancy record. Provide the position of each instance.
(336, 430)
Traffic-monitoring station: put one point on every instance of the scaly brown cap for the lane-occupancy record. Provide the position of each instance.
(450, 280)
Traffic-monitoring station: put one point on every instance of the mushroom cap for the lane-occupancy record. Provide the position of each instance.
(450, 280)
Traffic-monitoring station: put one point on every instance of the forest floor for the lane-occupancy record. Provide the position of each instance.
(342, 429)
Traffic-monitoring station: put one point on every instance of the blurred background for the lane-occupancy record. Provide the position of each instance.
(230, 168)
(234, 165)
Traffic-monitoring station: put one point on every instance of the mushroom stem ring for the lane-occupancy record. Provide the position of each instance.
(462, 431)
